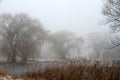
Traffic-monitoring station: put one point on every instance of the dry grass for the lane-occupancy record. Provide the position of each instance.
(73, 70)
(3, 73)
(5, 76)
(77, 72)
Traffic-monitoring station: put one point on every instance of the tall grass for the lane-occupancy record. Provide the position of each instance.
(76, 71)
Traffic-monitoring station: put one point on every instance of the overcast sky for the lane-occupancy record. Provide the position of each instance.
(79, 16)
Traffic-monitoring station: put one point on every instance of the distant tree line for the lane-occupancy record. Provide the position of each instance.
(23, 38)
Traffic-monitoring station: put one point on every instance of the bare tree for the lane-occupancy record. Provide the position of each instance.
(59, 41)
(20, 36)
(66, 43)
(75, 46)
(98, 42)
(111, 11)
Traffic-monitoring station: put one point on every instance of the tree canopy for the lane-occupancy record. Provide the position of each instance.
(20, 36)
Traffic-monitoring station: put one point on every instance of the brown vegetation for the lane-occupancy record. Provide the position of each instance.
(74, 71)
(3, 73)
(77, 72)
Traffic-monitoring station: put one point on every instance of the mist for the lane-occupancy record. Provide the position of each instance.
(78, 16)
(73, 29)
(60, 39)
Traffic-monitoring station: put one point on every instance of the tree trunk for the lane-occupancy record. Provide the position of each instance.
(13, 57)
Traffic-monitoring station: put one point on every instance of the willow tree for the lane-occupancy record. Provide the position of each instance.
(59, 41)
(21, 35)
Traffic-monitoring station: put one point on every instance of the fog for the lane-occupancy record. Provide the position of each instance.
(78, 16)
(56, 29)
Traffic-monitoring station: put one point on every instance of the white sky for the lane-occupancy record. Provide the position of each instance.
(78, 16)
